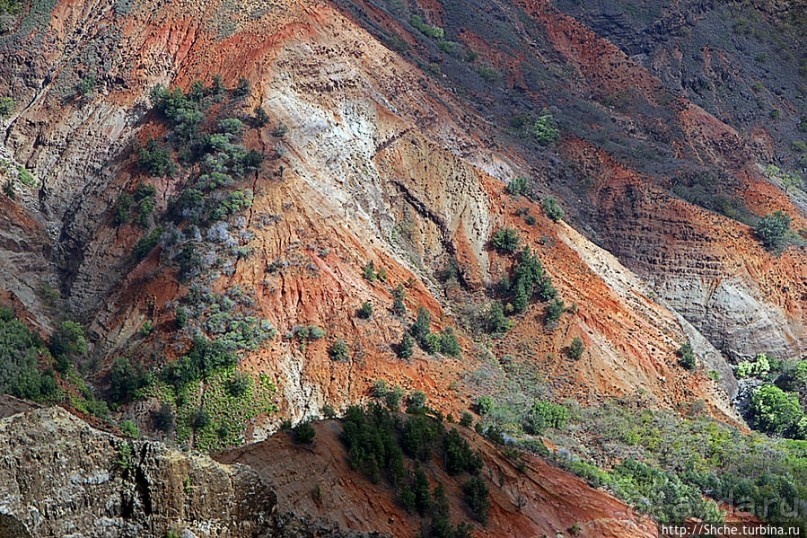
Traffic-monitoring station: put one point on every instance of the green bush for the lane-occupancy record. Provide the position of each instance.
(398, 306)
(553, 312)
(545, 129)
(506, 240)
(164, 418)
(125, 380)
(773, 230)
(406, 347)
(449, 344)
(366, 310)
(495, 322)
(576, 348)
(552, 209)
(484, 405)
(129, 428)
(67, 343)
(466, 419)
(686, 356)
(6, 106)
(476, 496)
(20, 353)
(544, 415)
(339, 351)
(458, 456)
(243, 88)
(774, 410)
(156, 160)
(147, 243)
(86, 85)
(303, 433)
(435, 32)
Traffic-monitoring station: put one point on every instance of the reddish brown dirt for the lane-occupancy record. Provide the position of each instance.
(321, 483)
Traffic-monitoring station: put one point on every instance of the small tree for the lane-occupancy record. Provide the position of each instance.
(495, 321)
(476, 495)
(242, 89)
(772, 230)
(339, 351)
(552, 208)
(553, 312)
(774, 410)
(484, 405)
(545, 129)
(366, 310)
(517, 186)
(422, 326)
(6, 107)
(406, 347)
(398, 306)
(303, 433)
(576, 348)
(686, 356)
(506, 240)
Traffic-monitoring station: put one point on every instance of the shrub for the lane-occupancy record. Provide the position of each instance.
(124, 380)
(243, 88)
(147, 243)
(67, 343)
(421, 328)
(553, 312)
(129, 428)
(552, 208)
(517, 186)
(6, 107)
(164, 418)
(125, 202)
(435, 32)
(20, 351)
(201, 419)
(458, 456)
(774, 410)
(686, 356)
(406, 347)
(86, 85)
(366, 310)
(393, 398)
(368, 271)
(303, 433)
(476, 496)
(759, 367)
(416, 401)
(495, 322)
(398, 306)
(506, 240)
(156, 160)
(238, 384)
(418, 436)
(329, 412)
(772, 230)
(466, 419)
(449, 343)
(544, 414)
(483, 405)
(339, 351)
(576, 348)
(545, 129)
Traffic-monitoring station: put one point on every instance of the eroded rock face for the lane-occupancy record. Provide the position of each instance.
(61, 477)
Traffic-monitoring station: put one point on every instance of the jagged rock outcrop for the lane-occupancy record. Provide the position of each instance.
(60, 477)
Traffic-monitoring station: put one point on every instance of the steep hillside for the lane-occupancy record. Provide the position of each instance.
(221, 215)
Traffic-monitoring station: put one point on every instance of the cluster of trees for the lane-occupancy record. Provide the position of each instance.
(527, 281)
(420, 332)
(21, 352)
(378, 442)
